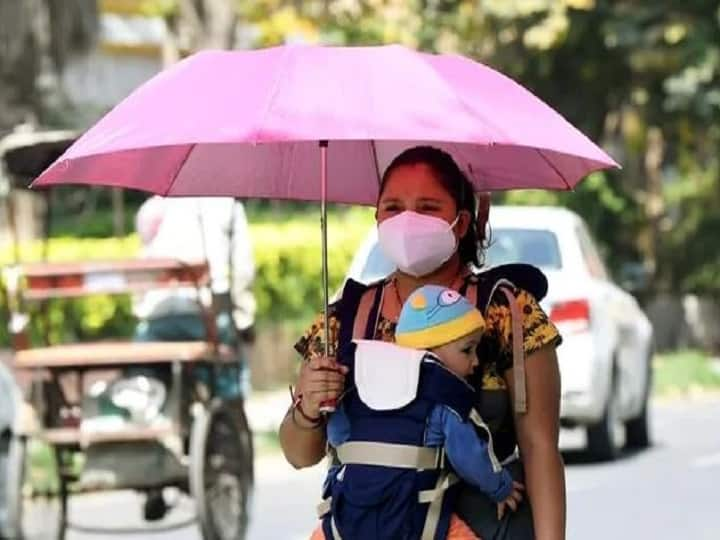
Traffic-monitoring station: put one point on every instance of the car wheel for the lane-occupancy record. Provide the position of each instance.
(603, 438)
(221, 471)
(637, 430)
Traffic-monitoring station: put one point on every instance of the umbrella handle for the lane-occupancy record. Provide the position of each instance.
(328, 407)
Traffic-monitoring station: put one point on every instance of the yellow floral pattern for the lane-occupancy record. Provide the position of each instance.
(312, 343)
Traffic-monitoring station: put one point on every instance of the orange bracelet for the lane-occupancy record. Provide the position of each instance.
(297, 406)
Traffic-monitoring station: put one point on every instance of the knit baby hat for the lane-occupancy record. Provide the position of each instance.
(433, 316)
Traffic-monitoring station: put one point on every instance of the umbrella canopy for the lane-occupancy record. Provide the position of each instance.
(247, 124)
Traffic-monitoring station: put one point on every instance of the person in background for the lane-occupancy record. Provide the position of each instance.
(195, 229)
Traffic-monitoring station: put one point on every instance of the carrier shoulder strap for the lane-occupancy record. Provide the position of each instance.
(518, 351)
(481, 288)
(367, 312)
(524, 276)
(358, 310)
(346, 309)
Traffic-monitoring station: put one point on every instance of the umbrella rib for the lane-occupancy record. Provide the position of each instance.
(179, 168)
(273, 92)
(373, 148)
(554, 168)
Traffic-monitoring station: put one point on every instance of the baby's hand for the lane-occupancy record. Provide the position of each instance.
(512, 500)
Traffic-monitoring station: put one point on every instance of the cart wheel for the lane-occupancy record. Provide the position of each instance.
(30, 518)
(221, 471)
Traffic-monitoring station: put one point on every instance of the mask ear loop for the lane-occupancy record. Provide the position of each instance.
(461, 208)
(481, 200)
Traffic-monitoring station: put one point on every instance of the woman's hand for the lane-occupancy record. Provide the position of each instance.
(303, 442)
(321, 380)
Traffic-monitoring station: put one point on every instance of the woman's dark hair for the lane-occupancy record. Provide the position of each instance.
(457, 186)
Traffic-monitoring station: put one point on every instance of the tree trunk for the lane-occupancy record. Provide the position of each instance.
(204, 24)
(35, 37)
(19, 61)
(654, 202)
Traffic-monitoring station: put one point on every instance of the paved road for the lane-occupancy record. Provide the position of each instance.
(667, 492)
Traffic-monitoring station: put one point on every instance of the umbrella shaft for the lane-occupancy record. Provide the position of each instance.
(323, 227)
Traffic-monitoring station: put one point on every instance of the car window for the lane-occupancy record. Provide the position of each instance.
(369, 263)
(592, 258)
(376, 267)
(532, 246)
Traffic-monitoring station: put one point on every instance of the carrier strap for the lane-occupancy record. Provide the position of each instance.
(335, 531)
(432, 518)
(401, 456)
(518, 352)
(444, 483)
(347, 309)
(368, 301)
(324, 507)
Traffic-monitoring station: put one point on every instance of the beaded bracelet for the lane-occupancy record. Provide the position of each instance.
(313, 427)
(296, 405)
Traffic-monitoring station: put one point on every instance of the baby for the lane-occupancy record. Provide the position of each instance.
(406, 429)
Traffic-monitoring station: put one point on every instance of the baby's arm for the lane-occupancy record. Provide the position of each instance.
(469, 456)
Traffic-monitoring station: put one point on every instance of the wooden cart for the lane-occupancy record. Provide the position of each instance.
(208, 436)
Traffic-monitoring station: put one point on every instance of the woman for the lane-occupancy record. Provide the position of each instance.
(427, 224)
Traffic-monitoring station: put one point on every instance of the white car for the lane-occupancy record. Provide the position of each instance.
(605, 358)
(10, 398)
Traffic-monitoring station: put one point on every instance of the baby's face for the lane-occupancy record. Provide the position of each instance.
(460, 356)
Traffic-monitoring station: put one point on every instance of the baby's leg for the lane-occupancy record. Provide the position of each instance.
(458, 530)
(319, 535)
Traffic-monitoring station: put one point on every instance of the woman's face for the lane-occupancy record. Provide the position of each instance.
(417, 189)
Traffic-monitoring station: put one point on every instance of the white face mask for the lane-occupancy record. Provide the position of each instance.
(416, 243)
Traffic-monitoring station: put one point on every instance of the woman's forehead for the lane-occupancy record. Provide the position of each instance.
(414, 182)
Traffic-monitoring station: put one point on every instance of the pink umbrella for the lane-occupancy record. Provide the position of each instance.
(248, 124)
(258, 124)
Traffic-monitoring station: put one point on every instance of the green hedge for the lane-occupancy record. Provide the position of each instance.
(287, 287)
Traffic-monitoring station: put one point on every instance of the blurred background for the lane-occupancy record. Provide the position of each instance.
(642, 78)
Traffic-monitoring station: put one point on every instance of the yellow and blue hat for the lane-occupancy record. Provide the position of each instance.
(433, 316)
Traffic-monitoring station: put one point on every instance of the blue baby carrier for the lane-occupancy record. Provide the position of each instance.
(384, 483)
(387, 484)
